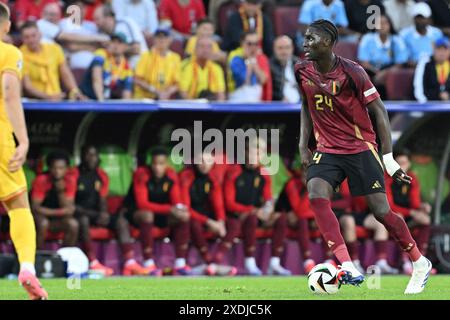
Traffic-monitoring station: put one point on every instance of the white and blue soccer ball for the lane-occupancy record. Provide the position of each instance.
(322, 279)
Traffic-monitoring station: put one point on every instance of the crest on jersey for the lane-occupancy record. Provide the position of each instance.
(335, 87)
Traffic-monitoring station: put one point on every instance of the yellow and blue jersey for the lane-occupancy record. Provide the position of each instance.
(116, 76)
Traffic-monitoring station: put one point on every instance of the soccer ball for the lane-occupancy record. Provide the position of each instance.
(323, 279)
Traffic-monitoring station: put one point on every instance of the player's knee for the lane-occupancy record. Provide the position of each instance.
(145, 216)
(379, 211)
(347, 222)
(84, 222)
(42, 224)
(72, 225)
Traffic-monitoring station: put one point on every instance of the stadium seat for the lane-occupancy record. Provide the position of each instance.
(347, 50)
(279, 173)
(113, 203)
(30, 175)
(427, 173)
(224, 12)
(78, 73)
(119, 166)
(285, 20)
(399, 84)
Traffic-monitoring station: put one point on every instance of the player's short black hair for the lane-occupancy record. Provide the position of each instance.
(159, 151)
(328, 27)
(4, 12)
(401, 152)
(57, 155)
(28, 25)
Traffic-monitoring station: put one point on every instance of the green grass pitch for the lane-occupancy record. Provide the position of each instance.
(202, 288)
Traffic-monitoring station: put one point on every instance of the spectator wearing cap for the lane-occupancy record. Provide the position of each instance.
(109, 75)
(200, 76)
(205, 28)
(182, 15)
(282, 68)
(419, 38)
(143, 12)
(400, 12)
(249, 78)
(29, 10)
(107, 22)
(249, 18)
(432, 75)
(157, 72)
(441, 14)
(45, 67)
(380, 51)
(332, 10)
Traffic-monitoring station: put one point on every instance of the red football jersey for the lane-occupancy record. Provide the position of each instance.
(337, 104)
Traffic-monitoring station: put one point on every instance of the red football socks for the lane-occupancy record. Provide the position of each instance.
(278, 236)
(329, 228)
(398, 229)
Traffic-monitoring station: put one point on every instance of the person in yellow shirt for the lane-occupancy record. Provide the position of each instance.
(200, 76)
(13, 185)
(157, 72)
(44, 67)
(205, 28)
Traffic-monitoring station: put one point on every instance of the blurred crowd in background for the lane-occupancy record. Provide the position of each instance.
(241, 50)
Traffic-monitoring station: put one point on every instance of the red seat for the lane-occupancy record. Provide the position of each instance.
(101, 234)
(285, 20)
(362, 233)
(224, 12)
(78, 73)
(54, 236)
(347, 50)
(399, 84)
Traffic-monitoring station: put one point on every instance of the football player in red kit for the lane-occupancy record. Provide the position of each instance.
(337, 96)
(294, 202)
(249, 204)
(157, 202)
(202, 193)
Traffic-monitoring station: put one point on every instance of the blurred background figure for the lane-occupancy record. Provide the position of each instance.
(200, 76)
(432, 75)
(109, 75)
(143, 12)
(249, 78)
(182, 15)
(282, 63)
(157, 72)
(45, 67)
(381, 51)
(249, 18)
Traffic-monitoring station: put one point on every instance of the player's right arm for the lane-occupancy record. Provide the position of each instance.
(13, 105)
(305, 133)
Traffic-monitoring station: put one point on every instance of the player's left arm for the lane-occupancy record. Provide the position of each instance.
(376, 107)
(13, 105)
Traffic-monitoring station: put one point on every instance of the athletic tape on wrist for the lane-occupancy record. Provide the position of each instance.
(391, 165)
